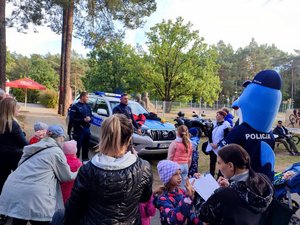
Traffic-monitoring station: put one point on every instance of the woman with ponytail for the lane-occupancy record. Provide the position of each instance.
(109, 188)
(180, 151)
(243, 197)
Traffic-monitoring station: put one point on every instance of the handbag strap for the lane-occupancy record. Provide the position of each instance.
(34, 154)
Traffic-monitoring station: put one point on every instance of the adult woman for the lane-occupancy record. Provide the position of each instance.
(32, 191)
(219, 130)
(244, 195)
(108, 189)
(12, 139)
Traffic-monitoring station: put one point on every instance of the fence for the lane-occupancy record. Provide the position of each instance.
(170, 109)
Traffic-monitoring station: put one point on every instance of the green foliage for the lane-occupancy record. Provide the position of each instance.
(49, 98)
(19, 94)
(114, 68)
(181, 63)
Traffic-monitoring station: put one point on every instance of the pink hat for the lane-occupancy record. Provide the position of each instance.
(70, 147)
(166, 169)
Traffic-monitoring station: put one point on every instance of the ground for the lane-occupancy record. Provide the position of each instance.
(36, 113)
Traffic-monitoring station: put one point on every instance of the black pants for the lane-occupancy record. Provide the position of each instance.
(16, 221)
(82, 137)
(212, 162)
(8, 163)
(288, 144)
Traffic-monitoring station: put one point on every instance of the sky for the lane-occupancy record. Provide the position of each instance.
(233, 21)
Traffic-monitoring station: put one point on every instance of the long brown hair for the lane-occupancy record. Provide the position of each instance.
(115, 132)
(183, 132)
(240, 158)
(7, 110)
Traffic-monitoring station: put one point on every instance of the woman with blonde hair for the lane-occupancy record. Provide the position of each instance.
(180, 151)
(109, 188)
(12, 139)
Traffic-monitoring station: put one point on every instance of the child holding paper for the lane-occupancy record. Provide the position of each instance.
(244, 195)
(180, 151)
(175, 204)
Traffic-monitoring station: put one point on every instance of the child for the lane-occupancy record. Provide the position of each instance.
(175, 205)
(180, 151)
(147, 210)
(40, 131)
(70, 149)
(195, 140)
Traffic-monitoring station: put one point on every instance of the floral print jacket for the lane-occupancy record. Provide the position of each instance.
(176, 208)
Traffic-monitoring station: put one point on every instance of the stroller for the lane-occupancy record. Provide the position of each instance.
(285, 187)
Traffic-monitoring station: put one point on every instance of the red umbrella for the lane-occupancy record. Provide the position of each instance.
(25, 83)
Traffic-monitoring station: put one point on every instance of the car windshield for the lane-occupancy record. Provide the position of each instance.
(135, 107)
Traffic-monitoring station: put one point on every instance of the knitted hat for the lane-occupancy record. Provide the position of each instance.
(40, 126)
(166, 169)
(70, 147)
(55, 131)
(193, 131)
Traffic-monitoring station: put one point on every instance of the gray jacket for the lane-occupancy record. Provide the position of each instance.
(32, 191)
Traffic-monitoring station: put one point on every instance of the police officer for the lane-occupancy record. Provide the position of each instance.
(81, 117)
(123, 108)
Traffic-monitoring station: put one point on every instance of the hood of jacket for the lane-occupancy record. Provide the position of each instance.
(44, 143)
(110, 163)
(257, 202)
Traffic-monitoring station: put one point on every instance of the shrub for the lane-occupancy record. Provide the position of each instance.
(49, 98)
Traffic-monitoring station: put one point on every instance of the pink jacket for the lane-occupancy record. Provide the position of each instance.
(66, 187)
(177, 152)
(147, 210)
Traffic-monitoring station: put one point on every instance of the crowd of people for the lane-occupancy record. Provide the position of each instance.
(48, 180)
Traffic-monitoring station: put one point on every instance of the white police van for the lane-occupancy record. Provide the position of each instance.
(156, 136)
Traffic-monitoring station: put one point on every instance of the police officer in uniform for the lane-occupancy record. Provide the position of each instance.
(81, 117)
(123, 108)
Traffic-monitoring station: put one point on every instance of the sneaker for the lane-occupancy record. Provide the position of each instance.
(297, 153)
(3, 219)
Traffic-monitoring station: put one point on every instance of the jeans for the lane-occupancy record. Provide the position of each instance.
(184, 173)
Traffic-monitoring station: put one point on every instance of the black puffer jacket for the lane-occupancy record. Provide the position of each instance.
(109, 196)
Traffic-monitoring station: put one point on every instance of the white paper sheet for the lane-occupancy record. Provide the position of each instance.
(205, 185)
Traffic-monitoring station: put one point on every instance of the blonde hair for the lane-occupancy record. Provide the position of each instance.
(183, 132)
(115, 132)
(7, 110)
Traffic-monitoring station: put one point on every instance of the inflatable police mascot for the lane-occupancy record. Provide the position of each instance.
(257, 108)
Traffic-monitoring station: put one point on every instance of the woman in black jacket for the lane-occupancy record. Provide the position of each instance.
(109, 188)
(244, 196)
(12, 139)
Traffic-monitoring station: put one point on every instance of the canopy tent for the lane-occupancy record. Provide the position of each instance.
(25, 83)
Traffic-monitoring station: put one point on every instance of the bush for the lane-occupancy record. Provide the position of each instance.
(49, 98)
(19, 94)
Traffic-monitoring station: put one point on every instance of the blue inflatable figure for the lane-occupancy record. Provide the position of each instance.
(257, 108)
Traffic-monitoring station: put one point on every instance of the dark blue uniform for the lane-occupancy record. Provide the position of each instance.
(126, 110)
(82, 133)
(251, 140)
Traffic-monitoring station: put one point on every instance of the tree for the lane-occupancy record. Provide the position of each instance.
(115, 67)
(180, 62)
(93, 19)
(2, 45)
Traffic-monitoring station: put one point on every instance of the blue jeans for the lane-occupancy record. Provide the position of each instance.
(184, 173)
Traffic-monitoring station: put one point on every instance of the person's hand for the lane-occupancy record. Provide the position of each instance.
(288, 175)
(223, 182)
(190, 191)
(139, 131)
(214, 145)
(197, 175)
(87, 119)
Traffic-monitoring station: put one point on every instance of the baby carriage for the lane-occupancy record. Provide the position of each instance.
(285, 187)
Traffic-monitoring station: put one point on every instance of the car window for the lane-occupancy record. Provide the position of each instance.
(135, 107)
(101, 104)
(91, 102)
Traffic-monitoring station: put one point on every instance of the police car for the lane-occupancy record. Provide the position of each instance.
(156, 136)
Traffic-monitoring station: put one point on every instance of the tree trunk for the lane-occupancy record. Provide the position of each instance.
(2, 45)
(67, 66)
(62, 62)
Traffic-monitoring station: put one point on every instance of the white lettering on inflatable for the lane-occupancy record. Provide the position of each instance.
(257, 136)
